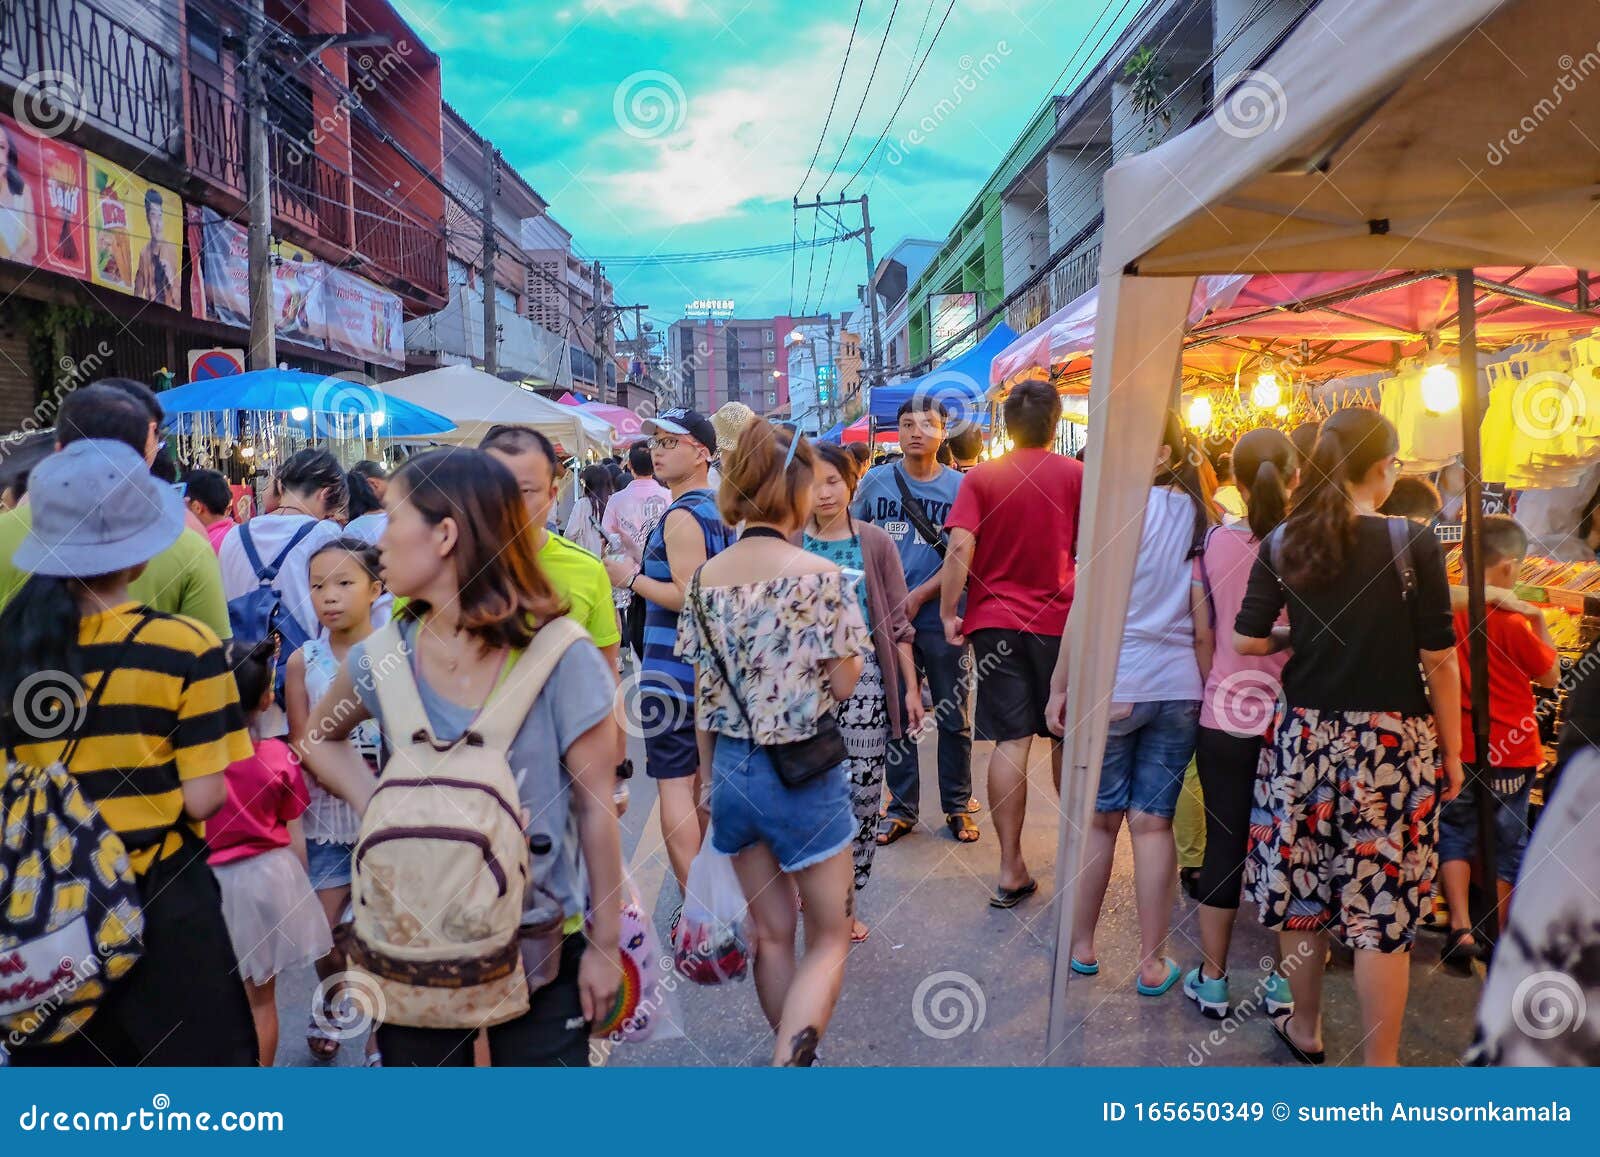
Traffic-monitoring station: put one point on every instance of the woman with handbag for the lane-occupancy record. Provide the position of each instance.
(887, 701)
(777, 639)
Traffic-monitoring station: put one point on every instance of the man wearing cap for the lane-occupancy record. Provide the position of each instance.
(183, 579)
(691, 530)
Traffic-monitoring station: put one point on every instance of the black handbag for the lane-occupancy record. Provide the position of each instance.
(796, 763)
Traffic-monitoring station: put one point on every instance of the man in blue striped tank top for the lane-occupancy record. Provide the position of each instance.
(682, 443)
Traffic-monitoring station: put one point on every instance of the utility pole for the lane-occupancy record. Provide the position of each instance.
(258, 180)
(491, 247)
(602, 322)
(872, 275)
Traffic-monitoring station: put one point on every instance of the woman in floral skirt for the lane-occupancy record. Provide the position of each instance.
(1347, 797)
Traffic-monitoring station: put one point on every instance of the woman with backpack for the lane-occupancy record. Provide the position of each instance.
(140, 709)
(1241, 695)
(479, 674)
(776, 638)
(1347, 800)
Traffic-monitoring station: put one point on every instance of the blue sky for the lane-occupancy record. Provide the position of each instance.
(670, 126)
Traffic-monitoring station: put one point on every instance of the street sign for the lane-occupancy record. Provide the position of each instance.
(215, 363)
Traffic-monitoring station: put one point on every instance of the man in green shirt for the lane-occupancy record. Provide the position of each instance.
(184, 579)
(577, 576)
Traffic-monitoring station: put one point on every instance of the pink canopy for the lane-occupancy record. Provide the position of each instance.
(623, 420)
(857, 432)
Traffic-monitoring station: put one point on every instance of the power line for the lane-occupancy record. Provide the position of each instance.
(837, 85)
(901, 102)
(865, 92)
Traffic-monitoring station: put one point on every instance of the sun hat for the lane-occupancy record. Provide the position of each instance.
(729, 421)
(96, 508)
(685, 423)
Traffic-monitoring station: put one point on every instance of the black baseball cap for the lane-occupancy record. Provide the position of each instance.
(688, 423)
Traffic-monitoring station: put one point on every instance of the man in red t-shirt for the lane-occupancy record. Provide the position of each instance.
(1520, 654)
(1013, 537)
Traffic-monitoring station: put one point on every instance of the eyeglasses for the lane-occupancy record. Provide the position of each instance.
(663, 443)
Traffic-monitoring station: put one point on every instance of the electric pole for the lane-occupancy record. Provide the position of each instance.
(872, 275)
(602, 322)
(258, 181)
(491, 247)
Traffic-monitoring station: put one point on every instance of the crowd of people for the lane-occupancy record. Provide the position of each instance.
(242, 697)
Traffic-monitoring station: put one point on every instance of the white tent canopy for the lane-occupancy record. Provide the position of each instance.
(475, 401)
(1380, 135)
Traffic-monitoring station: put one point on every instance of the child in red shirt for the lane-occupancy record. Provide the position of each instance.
(258, 854)
(1520, 653)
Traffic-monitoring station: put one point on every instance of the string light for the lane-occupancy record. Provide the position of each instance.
(1199, 416)
(1266, 394)
(1441, 389)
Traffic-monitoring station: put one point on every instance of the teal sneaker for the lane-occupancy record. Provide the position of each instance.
(1278, 997)
(1210, 995)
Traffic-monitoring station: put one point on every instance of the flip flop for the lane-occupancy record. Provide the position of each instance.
(1090, 969)
(960, 824)
(862, 939)
(1011, 897)
(1173, 974)
(1280, 1025)
(891, 828)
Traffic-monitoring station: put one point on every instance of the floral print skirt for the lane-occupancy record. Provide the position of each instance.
(864, 726)
(1343, 827)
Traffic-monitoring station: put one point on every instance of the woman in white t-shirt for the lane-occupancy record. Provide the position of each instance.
(1155, 714)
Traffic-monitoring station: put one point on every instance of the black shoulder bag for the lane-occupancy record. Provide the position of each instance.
(796, 763)
(911, 506)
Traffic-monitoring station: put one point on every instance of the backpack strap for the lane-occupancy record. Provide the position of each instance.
(399, 700)
(1400, 545)
(266, 574)
(917, 514)
(510, 702)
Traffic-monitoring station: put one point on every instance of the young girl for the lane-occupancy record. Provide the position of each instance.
(258, 853)
(344, 584)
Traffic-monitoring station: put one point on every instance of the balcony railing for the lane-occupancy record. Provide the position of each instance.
(105, 71)
(216, 136)
(309, 191)
(409, 249)
(1075, 276)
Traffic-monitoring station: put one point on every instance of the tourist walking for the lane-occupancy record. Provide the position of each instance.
(776, 639)
(1347, 803)
(464, 654)
(887, 701)
(910, 501)
(628, 519)
(1013, 544)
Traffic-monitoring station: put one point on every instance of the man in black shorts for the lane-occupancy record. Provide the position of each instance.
(1013, 538)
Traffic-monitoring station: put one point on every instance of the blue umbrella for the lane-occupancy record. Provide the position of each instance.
(299, 395)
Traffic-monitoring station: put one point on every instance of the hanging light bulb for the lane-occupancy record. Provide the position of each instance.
(377, 420)
(299, 413)
(1441, 389)
(1282, 411)
(1266, 393)
(1199, 416)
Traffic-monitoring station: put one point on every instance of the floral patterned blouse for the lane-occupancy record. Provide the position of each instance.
(774, 637)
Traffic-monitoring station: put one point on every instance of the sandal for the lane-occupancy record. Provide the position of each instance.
(1280, 1025)
(322, 1042)
(1173, 973)
(1458, 956)
(892, 828)
(963, 827)
(1011, 897)
(865, 932)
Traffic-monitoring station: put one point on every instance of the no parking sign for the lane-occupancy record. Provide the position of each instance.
(215, 363)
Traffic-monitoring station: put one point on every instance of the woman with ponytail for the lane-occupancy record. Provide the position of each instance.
(1348, 794)
(1241, 694)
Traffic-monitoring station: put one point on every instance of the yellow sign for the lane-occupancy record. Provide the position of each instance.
(135, 233)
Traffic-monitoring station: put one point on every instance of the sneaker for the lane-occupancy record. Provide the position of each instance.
(1210, 995)
(1278, 997)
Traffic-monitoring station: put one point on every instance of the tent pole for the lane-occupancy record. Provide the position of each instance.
(1472, 556)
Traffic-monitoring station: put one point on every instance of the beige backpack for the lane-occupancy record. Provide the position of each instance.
(441, 864)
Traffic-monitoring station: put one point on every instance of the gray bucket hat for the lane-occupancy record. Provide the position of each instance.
(95, 509)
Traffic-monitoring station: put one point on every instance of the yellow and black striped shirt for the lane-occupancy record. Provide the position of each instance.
(170, 713)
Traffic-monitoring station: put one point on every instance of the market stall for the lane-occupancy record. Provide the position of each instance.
(1372, 156)
(960, 383)
(476, 401)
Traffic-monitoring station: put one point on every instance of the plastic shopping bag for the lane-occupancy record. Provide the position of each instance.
(715, 942)
(647, 1006)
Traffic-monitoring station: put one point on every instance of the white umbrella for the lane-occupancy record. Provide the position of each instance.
(476, 401)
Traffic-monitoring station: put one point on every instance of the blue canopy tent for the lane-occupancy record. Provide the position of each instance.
(835, 434)
(960, 383)
(298, 395)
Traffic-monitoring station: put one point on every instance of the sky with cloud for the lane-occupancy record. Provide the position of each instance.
(673, 126)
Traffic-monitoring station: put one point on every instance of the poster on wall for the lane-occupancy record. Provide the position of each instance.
(136, 233)
(364, 320)
(42, 203)
(220, 285)
(953, 313)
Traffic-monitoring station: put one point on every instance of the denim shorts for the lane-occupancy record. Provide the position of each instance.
(1147, 752)
(1458, 824)
(328, 865)
(750, 805)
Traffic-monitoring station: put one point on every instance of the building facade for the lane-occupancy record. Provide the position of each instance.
(572, 299)
(713, 360)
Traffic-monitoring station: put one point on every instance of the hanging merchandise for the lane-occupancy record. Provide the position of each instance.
(1430, 435)
(1542, 429)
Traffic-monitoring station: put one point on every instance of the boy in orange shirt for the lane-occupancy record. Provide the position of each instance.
(1520, 653)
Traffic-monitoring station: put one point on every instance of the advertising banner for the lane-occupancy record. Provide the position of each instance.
(136, 233)
(952, 313)
(364, 320)
(42, 204)
(221, 282)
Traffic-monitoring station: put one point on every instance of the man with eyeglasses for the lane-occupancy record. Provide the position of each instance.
(682, 443)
